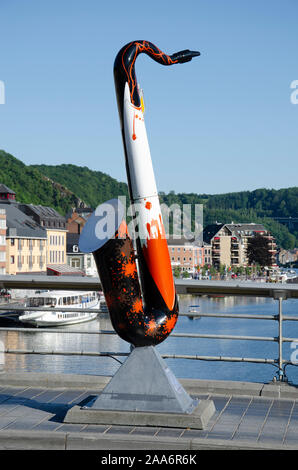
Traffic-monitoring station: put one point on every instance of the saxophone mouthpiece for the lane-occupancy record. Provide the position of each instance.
(184, 56)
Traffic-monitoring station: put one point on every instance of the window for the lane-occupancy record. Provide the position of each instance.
(12, 241)
(12, 260)
(75, 262)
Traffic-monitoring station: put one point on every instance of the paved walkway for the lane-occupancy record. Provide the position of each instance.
(248, 416)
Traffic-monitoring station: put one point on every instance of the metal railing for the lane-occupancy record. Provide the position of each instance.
(279, 292)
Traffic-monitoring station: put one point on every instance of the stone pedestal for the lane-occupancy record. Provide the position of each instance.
(144, 392)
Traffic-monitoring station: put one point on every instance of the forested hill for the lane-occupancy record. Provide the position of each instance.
(33, 187)
(263, 206)
(65, 186)
(93, 187)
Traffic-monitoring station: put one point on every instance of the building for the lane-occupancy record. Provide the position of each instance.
(26, 242)
(55, 226)
(288, 256)
(76, 259)
(186, 254)
(2, 241)
(76, 220)
(6, 194)
(229, 242)
(43, 219)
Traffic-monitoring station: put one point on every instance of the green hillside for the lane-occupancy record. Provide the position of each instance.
(259, 206)
(93, 187)
(31, 186)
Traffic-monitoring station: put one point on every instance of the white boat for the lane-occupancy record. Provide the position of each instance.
(193, 312)
(57, 300)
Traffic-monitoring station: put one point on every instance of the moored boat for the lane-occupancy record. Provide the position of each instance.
(57, 301)
(193, 312)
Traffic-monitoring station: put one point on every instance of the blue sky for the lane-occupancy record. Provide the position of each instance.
(223, 122)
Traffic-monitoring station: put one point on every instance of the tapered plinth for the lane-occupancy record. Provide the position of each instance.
(144, 392)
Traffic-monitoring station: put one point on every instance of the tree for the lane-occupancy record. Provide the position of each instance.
(258, 251)
(177, 271)
(185, 274)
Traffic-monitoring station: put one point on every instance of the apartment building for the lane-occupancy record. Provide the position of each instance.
(2, 241)
(36, 235)
(25, 242)
(186, 254)
(229, 242)
(55, 227)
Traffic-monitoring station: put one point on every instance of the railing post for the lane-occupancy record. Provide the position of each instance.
(280, 295)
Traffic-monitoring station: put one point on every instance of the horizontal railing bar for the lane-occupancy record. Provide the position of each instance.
(181, 314)
(199, 335)
(289, 340)
(183, 286)
(198, 315)
(195, 315)
(231, 315)
(220, 358)
(63, 353)
(165, 356)
(176, 335)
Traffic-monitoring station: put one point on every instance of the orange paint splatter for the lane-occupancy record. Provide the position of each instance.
(137, 306)
(170, 323)
(133, 127)
(148, 205)
(129, 269)
(151, 327)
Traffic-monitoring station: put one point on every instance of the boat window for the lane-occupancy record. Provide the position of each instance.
(42, 302)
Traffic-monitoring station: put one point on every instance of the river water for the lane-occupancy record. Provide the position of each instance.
(182, 368)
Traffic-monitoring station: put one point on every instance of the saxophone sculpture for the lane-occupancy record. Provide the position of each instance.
(140, 296)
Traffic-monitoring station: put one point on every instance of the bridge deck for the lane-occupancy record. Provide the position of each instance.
(248, 416)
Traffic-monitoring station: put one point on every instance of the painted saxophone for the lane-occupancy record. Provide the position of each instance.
(141, 299)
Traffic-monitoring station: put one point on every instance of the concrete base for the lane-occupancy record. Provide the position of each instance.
(144, 392)
(198, 419)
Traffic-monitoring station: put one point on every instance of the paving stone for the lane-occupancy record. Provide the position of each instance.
(95, 428)
(145, 431)
(169, 432)
(120, 430)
